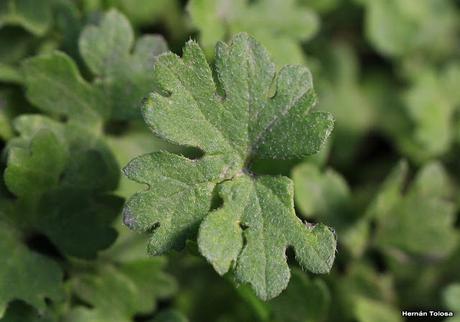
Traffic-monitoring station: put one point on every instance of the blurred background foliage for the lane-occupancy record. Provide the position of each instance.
(387, 181)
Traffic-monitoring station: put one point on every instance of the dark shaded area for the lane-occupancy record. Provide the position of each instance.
(272, 167)
(143, 317)
(77, 301)
(161, 305)
(192, 152)
(211, 297)
(290, 255)
(378, 259)
(41, 244)
(371, 59)
(2, 145)
(157, 28)
(375, 155)
(175, 44)
(116, 128)
(341, 262)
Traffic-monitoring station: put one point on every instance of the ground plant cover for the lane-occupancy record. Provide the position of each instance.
(229, 160)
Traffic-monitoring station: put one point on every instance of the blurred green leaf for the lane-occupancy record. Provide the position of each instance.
(55, 176)
(279, 25)
(170, 316)
(452, 301)
(342, 94)
(125, 76)
(452, 297)
(305, 300)
(18, 280)
(10, 74)
(420, 221)
(35, 18)
(168, 13)
(367, 310)
(426, 28)
(324, 195)
(55, 85)
(361, 288)
(431, 103)
(117, 293)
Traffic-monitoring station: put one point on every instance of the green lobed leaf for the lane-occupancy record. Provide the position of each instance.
(305, 300)
(362, 289)
(257, 221)
(55, 85)
(123, 72)
(424, 28)
(30, 171)
(263, 209)
(431, 102)
(19, 282)
(60, 181)
(368, 310)
(421, 221)
(35, 18)
(118, 292)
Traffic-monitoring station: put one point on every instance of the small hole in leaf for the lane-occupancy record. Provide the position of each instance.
(192, 153)
(243, 225)
(152, 228)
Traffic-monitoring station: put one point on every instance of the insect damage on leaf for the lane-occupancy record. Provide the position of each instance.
(257, 222)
